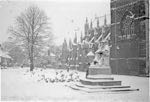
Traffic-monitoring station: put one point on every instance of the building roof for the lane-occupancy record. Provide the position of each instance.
(53, 55)
(74, 44)
(90, 53)
(99, 38)
(91, 39)
(105, 39)
(4, 54)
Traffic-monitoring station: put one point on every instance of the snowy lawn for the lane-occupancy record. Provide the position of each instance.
(19, 84)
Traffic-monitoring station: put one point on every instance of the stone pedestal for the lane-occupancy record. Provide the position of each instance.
(101, 70)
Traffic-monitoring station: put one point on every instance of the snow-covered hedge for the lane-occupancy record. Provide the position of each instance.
(56, 76)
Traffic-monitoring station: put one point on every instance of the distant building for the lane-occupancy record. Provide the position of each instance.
(77, 58)
(129, 37)
(65, 53)
(5, 59)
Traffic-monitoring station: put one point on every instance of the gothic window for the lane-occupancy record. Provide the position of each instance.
(127, 25)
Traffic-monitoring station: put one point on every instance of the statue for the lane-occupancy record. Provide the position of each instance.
(100, 64)
(98, 60)
(101, 57)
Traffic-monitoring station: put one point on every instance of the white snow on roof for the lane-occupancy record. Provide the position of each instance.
(4, 54)
(99, 50)
(1, 53)
(90, 53)
(53, 55)
(75, 44)
(99, 38)
(7, 56)
(92, 39)
(106, 37)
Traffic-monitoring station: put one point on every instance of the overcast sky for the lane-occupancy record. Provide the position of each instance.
(65, 16)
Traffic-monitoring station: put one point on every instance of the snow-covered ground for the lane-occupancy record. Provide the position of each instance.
(19, 84)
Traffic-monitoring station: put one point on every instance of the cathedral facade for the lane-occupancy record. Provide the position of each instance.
(129, 37)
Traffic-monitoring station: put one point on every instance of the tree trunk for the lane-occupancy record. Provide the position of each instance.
(31, 64)
(31, 59)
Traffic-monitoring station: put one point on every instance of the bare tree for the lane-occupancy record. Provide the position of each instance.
(30, 30)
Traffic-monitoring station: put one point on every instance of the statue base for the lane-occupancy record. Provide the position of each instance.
(99, 70)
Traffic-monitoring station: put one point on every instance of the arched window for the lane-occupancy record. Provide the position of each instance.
(127, 25)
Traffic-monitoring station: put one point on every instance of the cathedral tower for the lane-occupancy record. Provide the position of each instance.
(86, 27)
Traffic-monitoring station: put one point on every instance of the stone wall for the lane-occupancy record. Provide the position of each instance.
(128, 51)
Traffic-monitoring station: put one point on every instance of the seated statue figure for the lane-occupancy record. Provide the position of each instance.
(99, 59)
(100, 64)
